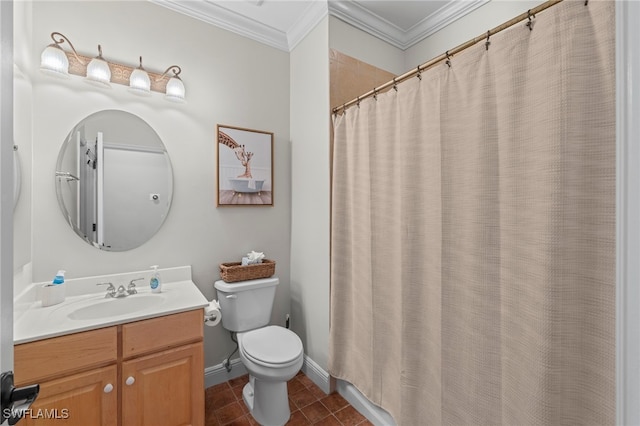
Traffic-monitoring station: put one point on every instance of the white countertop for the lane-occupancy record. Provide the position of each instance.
(34, 322)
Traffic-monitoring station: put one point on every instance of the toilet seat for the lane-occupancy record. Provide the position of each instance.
(272, 346)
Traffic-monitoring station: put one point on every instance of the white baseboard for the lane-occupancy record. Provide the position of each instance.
(219, 374)
(317, 375)
(376, 415)
(328, 384)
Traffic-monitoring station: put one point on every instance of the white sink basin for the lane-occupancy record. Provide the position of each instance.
(116, 306)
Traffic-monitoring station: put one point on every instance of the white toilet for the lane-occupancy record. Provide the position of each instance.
(272, 354)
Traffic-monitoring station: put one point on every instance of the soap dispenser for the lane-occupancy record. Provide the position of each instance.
(59, 278)
(54, 293)
(155, 283)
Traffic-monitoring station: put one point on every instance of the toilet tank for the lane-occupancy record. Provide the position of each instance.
(246, 305)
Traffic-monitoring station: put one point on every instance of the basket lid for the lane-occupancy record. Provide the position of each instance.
(245, 285)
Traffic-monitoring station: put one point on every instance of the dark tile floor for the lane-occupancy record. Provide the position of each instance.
(308, 403)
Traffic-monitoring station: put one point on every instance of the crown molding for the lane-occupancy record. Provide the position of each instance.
(361, 18)
(444, 16)
(365, 20)
(213, 14)
(348, 11)
(316, 11)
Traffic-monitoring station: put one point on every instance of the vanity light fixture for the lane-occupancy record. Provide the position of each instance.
(139, 82)
(98, 71)
(60, 63)
(175, 86)
(53, 60)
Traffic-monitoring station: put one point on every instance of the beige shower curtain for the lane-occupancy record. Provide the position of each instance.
(473, 228)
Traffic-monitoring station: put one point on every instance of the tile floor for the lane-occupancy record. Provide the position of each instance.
(308, 403)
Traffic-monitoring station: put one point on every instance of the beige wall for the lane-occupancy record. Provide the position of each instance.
(229, 80)
(310, 192)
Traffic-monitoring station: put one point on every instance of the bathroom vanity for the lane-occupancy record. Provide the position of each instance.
(143, 367)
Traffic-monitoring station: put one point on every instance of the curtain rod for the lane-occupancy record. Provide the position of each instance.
(449, 53)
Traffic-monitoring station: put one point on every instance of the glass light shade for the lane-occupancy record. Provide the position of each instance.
(98, 72)
(175, 90)
(139, 82)
(54, 61)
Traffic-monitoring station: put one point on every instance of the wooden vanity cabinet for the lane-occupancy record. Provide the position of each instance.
(148, 372)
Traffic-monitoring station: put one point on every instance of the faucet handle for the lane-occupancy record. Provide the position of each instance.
(111, 287)
(111, 290)
(131, 289)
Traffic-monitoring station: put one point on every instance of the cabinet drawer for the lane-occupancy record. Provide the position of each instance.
(161, 333)
(48, 358)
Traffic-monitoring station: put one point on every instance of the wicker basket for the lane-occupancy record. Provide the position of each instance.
(234, 271)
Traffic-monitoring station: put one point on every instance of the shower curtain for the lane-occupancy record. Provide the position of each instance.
(473, 232)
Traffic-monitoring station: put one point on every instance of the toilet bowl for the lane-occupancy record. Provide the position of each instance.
(272, 355)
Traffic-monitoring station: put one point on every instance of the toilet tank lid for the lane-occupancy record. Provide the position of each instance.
(245, 285)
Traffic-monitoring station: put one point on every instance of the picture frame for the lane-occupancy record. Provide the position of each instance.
(245, 166)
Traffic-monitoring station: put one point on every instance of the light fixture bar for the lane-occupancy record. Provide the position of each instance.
(119, 73)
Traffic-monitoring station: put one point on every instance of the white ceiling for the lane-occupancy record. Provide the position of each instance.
(283, 23)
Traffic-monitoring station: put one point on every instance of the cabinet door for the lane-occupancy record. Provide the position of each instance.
(82, 399)
(166, 388)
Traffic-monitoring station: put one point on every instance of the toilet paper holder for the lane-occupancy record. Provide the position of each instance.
(212, 314)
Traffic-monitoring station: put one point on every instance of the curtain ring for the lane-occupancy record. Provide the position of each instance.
(375, 94)
(530, 23)
(487, 43)
(448, 61)
(586, 2)
(358, 102)
(395, 85)
(419, 73)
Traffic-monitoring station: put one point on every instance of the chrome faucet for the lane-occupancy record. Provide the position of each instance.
(121, 291)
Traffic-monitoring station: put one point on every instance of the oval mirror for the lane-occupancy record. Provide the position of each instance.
(114, 180)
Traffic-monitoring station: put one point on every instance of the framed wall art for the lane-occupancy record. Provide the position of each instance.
(245, 167)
